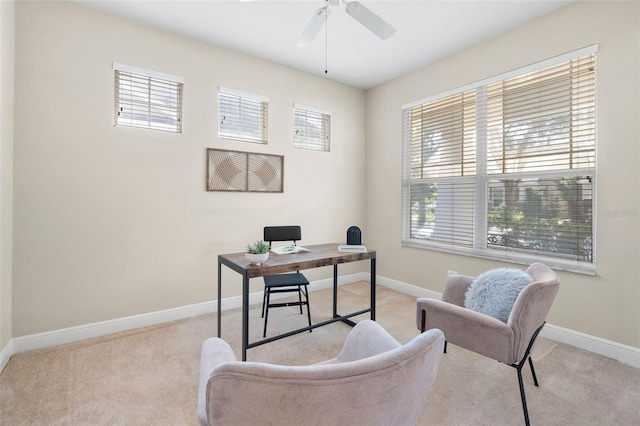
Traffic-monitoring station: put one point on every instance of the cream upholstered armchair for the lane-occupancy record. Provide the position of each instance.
(510, 342)
(373, 380)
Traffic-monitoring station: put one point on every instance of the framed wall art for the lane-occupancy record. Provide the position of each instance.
(241, 171)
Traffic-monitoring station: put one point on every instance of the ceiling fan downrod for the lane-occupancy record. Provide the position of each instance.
(326, 34)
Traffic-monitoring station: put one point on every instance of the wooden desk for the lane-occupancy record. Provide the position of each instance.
(318, 256)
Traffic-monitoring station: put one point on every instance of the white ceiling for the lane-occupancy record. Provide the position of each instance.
(427, 30)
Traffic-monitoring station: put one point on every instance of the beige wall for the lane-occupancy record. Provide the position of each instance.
(114, 221)
(606, 305)
(7, 13)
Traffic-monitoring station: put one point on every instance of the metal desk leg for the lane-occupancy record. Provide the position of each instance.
(373, 288)
(335, 299)
(245, 315)
(219, 298)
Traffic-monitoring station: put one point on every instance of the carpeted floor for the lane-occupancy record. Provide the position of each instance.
(149, 376)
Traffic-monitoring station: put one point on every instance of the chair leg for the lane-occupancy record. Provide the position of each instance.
(266, 303)
(264, 299)
(523, 397)
(306, 296)
(519, 366)
(423, 321)
(533, 372)
(266, 314)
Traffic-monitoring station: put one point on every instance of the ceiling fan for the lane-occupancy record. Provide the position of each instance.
(356, 10)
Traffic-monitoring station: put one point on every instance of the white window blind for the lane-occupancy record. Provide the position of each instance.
(506, 169)
(242, 116)
(311, 128)
(148, 99)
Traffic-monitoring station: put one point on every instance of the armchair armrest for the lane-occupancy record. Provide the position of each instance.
(466, 328)
(214, 352)
(367, 339)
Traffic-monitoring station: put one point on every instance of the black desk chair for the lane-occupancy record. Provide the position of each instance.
(293, 282)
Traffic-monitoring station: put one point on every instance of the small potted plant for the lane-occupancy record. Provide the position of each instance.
(257, 253)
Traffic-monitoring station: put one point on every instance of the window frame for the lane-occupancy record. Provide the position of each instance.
(307, 138)
(157, 85)
(480, 179)
(251, 111)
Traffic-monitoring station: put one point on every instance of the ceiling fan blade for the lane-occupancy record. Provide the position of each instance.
(370, 20)
(313, 27)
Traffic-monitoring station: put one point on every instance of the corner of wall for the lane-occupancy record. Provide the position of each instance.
(5, 354)
(7, 54)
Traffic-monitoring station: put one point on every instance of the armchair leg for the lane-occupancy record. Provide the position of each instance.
(519, 366)
(523, 397)
(533, 372)
(423, 321)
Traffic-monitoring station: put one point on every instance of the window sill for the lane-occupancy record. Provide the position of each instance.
(506, 256)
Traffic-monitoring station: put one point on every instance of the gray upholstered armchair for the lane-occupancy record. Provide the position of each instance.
(373, 380)
(509, 343)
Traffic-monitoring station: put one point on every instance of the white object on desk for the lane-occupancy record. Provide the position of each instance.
(289, 250)
(357, 248)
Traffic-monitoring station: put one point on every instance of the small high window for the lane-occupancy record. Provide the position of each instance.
(311, 127)
(242, 116)
(147, 99)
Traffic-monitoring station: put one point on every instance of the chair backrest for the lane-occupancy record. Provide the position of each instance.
(532, 306)
(389, 388)
(282, 233)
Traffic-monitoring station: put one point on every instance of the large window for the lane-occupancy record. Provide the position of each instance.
(148, 99)
(242, 116)
(311, 128)
(505, 168)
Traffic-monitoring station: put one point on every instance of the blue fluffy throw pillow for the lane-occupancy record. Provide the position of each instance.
(494, 292)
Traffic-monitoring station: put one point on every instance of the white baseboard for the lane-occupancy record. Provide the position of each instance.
(409, 289)
(73, 334)
(622, 353)
(625, 354)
